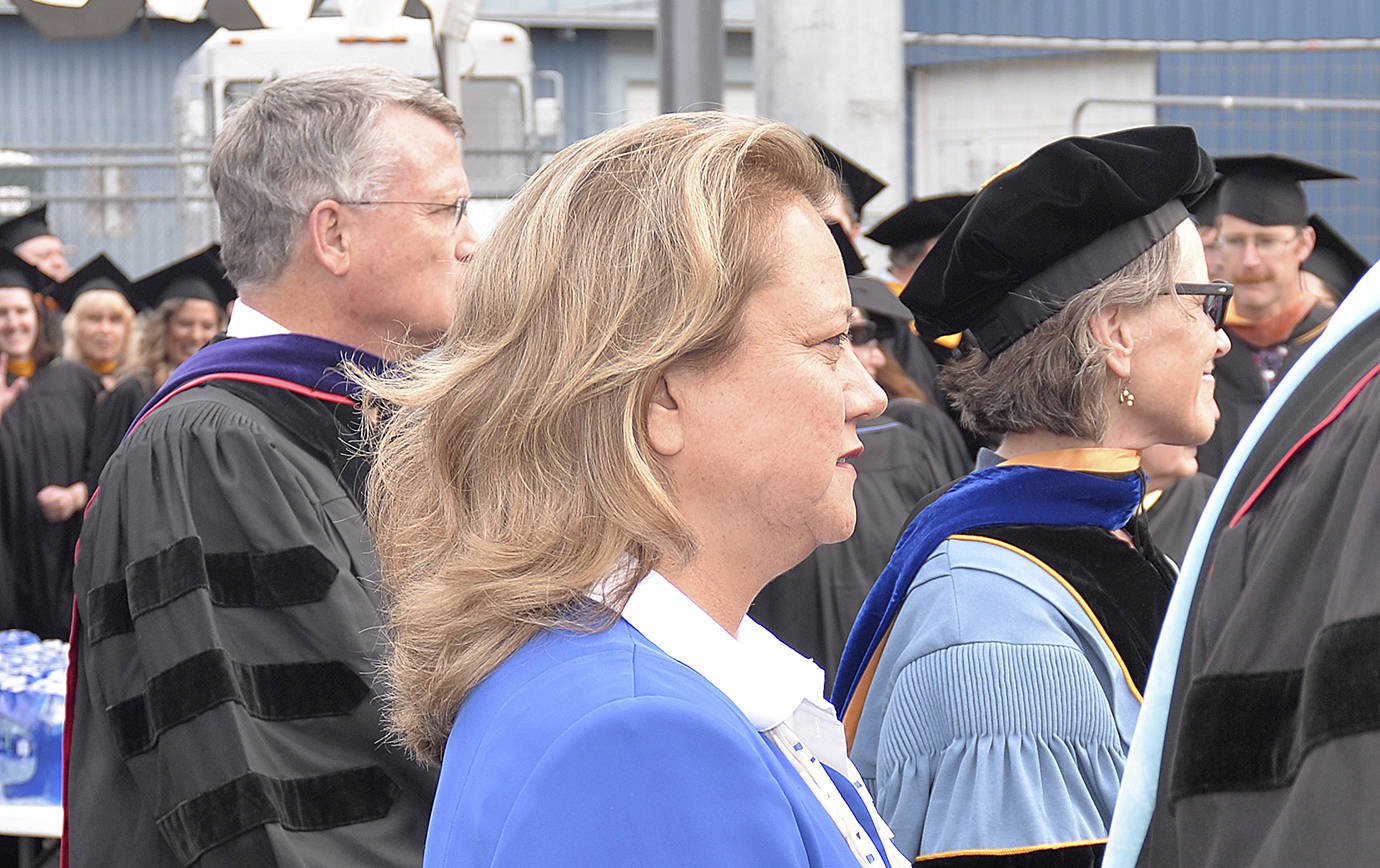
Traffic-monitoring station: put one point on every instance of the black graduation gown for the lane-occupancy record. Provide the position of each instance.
(42, 442)
(114, 412)
(811, 606)
(1272, 750)
(1240, 391)
(227, 709)
(1175, 514)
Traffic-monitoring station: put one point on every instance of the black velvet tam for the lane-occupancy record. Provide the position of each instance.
(201, 275)
(16, 273)
(918, 220)
(99, 273)
(1265, 189)
(1333, 259)
(1065, 218)
(1206, 209)
(860, 185)
(31, 224)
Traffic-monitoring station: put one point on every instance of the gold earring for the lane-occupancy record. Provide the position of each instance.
(1126, 397)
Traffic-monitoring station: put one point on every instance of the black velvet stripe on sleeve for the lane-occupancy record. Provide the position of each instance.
(278, 691)
(1126, 592)
(297, 804)
(1079, 855)
(1251, 731)
(290, 577)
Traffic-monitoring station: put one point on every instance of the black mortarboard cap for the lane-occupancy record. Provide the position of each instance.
(15, 272)
(201, 275)
(876, 298)
(1057, 223)
(918, 220)
(1265, 189)
(99, 273)
(1334, 260)
(852, 261)
(1205, 210)
(860, 185)
(31, 224)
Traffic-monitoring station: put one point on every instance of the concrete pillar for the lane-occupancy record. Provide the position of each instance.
(690, 54)
(836, 69)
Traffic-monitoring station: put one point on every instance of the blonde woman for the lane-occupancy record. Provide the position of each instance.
(98, 329)
(644, 410)
(185, 307)
(45, 407)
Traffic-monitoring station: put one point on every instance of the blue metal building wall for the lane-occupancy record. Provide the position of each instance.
(1349, 141)
(98, 92)
(581, 57)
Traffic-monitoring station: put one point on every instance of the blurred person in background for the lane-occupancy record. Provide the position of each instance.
(1264, 238)
(184, 307)
(1175, 494)
(99, 326)
(32, 239)
(45, 408)
(1334, 266)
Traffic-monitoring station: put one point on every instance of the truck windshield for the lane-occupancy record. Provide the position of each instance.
(496, 152)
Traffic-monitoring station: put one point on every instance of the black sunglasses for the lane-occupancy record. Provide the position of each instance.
(1217, 294)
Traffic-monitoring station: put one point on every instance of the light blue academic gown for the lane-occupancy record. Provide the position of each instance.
(601, 750)
(1002, 718)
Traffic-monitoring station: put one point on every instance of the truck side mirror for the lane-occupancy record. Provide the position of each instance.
(546, 113)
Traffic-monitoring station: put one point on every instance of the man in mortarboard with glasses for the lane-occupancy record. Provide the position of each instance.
(1263, 239)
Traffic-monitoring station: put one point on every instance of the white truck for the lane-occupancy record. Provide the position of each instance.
(490, 75)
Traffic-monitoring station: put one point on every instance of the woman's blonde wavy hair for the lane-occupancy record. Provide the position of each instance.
(512, 471)
(151, 360)
(98, 301)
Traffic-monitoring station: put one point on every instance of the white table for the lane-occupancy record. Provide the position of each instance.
(30, 821)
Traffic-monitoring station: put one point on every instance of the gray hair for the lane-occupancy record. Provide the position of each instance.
(1053, 379)
(300, 139)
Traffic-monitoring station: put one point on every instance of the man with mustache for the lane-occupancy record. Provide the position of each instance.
(1263, 238)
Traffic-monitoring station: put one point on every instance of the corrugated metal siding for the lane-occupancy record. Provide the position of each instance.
(1136, 19)
(581, 57)
(1349, 141)
(98, 92)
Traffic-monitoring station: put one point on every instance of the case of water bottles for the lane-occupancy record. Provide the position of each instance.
(33, 692)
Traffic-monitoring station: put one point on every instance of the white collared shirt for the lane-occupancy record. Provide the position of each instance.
(246, 322)
(780, 693)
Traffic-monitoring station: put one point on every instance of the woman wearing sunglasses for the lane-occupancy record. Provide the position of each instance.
(992, 681)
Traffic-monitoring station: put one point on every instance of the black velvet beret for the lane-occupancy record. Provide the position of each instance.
(1059, 222)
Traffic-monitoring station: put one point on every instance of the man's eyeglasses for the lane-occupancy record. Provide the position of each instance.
(1215, 298)
(861, 331)
(1265, 245)
(457, 209)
